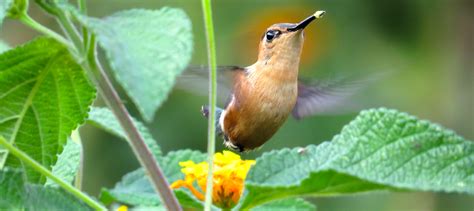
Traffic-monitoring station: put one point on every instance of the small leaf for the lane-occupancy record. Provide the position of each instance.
(147, 49)
(104, 118)
(68, 163)
(44, 95)
(291, 204)
(380, 150)
(135, 188)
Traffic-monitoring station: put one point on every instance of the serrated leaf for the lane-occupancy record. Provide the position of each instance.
(15, 194)
(4, 7)
(44, 96)
(105, 119)
(11, 189)
(135, 188)
(147, 49)
(380, 149)
(68, 163)
(292, 204)
(295, 173)
(397, 149)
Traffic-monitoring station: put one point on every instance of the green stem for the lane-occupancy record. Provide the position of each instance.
(71, 32)
(38, 167)
(27, 20)
(211, 51)
(82, 4)
(94, 70)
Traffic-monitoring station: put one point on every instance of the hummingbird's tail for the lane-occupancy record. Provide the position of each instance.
(205, 113)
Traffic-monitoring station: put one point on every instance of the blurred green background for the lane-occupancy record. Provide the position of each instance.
(424, 51)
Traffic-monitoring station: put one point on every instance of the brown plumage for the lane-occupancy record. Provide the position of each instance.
(264, 94)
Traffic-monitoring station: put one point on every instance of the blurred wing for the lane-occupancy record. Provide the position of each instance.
(196, 80)
(324, 96)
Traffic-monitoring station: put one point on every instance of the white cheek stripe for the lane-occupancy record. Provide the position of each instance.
(221, 120)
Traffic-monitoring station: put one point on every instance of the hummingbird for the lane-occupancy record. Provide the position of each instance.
(264, 94)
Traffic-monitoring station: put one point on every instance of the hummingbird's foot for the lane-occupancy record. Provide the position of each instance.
(234, 147)
(205, 111)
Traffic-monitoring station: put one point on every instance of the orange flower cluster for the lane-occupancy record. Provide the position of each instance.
(228, 181)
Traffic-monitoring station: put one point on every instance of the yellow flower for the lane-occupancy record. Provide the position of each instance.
(228, 178)
(122, 208)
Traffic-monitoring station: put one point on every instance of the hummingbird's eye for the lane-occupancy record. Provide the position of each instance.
(271, 34)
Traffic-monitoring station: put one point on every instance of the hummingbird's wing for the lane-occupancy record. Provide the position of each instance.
(196, 80)
(323, 96)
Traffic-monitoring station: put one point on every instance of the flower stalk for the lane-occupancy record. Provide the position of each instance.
(211, 50)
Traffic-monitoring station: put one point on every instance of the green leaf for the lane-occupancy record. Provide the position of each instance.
(68, 163)
(4, 7)
(290, 173)
(104, 118)
(11, 186)
(17, 195)
(44, 96)
(135, 188)
(380, 149)
(291, 204)
(147, 49)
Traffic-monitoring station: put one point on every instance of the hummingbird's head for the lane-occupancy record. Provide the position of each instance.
(282, 42)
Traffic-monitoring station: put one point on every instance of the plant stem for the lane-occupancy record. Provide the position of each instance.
(211, 51)
(38, 167)
(96, 73)
(141, 150)
(27, 20)
(72, 33)
(82, 4)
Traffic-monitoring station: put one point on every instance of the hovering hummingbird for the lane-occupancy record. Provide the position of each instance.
(264, 94)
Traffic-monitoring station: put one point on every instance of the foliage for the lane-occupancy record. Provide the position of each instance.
(17, 194)
(68, 163)
(144, 54)
(45, 94)
(381, 150)
(135, 189)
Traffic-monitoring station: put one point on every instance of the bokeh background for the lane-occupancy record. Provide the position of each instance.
(423, 51)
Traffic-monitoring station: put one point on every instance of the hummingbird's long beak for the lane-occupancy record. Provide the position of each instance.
(301, 25)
